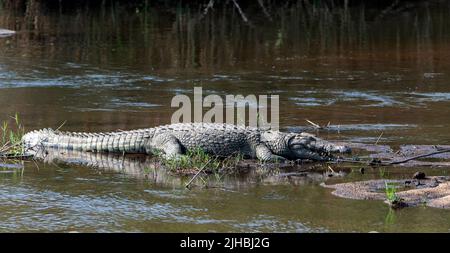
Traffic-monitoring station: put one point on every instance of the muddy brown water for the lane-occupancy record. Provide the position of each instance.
(118, 69)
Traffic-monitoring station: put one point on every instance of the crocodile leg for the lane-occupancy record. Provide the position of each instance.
(264, 154)
(166, 144)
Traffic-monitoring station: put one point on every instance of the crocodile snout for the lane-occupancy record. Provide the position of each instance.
(333, 148)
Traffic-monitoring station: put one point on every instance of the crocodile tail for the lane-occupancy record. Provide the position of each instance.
(34, 139)
(126, 141)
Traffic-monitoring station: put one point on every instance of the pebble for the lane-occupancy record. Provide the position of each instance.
(419, 175)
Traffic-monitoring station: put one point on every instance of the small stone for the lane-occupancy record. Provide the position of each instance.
(398, 204)
(419, 175)
(375, 161)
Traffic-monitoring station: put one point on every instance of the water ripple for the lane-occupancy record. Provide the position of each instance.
(264, 223)
(26, 209)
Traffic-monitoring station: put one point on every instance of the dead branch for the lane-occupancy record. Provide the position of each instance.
(244, 18)
(379, 137)
(381, 163)
(261, 4)
(314, 124)
(419, 156)
(196, 175)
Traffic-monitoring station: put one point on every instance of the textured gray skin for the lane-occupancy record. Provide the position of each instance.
(173, 141)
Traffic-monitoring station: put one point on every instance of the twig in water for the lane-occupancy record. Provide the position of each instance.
(61, 125)
(244, 18)
(379, 137)
(261, 4)
(4, 147)
(329, 167)
(338, 160)
(196, 175)
(314, 124)
(420, 156)
(123, 160)
(13, 156)
(35, 163)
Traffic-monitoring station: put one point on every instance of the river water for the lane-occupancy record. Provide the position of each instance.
(365, 71)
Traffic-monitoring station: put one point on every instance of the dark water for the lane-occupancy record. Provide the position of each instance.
(114, 68)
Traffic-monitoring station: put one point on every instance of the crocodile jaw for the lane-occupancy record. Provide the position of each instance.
(308, 146)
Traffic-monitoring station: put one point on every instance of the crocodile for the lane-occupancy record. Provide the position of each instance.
(174, 140)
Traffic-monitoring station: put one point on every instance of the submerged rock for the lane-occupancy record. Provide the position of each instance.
(419, 175)
(430, 191)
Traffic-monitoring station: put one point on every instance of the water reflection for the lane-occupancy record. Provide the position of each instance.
(298, 34)
(150, 169)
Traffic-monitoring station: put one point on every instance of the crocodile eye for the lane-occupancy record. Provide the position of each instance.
(296, 146)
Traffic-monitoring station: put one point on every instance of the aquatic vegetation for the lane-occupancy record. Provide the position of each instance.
(196, 159)
(394, 201)
(199, 163)
(11, 146)
(390, 217)
(146, 170)
(192, 160)
(383, 172)
(11, 136)
(391, 192)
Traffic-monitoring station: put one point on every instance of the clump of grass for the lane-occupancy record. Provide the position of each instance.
(10, 137)
(393, 199)
(191, 161)
(198, 162)
(231, 163)
(383, 172)
(391, 192)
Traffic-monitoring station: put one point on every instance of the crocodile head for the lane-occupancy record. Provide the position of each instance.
(294, 146)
